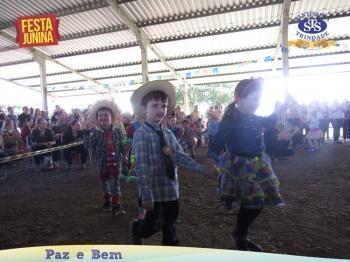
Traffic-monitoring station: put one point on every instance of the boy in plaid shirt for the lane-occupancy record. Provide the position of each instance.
(158, 154)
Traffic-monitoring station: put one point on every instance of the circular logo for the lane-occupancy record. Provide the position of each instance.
(312, 25)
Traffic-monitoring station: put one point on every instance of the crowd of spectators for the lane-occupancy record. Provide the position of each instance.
(299, 127)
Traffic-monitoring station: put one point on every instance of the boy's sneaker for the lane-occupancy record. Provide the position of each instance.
(245, 244)
(241, 243)
(253, 246)
(117, 211)
(134, 239)
(107, 206)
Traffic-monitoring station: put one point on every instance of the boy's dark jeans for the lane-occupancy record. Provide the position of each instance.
(162, 217)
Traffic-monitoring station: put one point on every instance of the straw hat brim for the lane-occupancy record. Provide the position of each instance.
(158, 85)
(110, 104)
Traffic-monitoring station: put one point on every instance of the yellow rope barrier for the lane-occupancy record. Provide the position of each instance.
(39, 152)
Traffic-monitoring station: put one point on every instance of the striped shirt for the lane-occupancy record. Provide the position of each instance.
(153, 183)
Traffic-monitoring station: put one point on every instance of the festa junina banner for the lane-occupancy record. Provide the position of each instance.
(85, 253)
(37, 30)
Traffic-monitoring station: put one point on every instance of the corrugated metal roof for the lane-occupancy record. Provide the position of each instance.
(92, 26)
(326, 6)
(10, 10)
(244, 39)
(119, 56)
(14, 56)
(157, 9)
(90, 20)
(5, 44)
(93, 42)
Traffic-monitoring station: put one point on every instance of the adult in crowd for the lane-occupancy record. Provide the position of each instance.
(195, 115)
(218, 111)
(31, 112)
(22, 117)
(58, 130)
(26, 130)
(294, 119)
(45, 114)
(277, 140)
(54, 116)
(36, 115)
(2, 155)
(11, 115)
(73, 134)
(346, 128)
(2, 118)
(126, 120)
(336, 116)
(43, 138)
(327, 121)
(172, 125)
(11, 139)
(178, 113)
(189, 137)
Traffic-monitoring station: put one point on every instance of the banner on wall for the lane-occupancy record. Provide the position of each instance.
(300, 43)
(312, 32)
(188, 74)
(37, 30)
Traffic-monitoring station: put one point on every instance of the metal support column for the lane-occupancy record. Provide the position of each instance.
(43, 84)
(144, 59)
(284, 44)
(141, 35)
(186, 100)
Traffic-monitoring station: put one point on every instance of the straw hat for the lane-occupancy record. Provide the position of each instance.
(106, 103)
(158, 85)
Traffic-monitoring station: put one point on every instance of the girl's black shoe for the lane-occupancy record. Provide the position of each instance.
(245, 244)
(253, 247)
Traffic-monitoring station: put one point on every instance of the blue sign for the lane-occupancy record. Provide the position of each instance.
(312, 25)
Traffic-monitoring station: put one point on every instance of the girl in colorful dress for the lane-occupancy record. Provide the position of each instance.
(246, 173)
(315, 134)
(106, 141)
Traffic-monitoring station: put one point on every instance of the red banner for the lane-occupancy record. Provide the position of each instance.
(37, 30)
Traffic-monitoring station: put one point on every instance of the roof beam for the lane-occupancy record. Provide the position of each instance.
(14, 83)
(263, 47)
(38, 53)
(180, 37)
(124, 1)
(145, 42)
(199, 67)
(173, 58)
(96, 50)
(236, 73)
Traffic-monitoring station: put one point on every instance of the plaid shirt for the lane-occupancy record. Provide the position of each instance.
(98, 144)
(153, 183)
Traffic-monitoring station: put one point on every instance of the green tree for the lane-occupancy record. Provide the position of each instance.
(211, 94)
